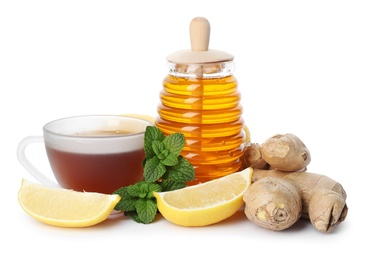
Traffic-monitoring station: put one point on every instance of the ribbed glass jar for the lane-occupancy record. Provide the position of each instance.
(202, 102)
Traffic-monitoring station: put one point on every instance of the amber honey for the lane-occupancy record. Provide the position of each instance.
(206, 108)
(200, 99)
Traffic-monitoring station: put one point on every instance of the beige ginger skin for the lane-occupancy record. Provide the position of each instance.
(323, 200)
(286, 153)
(273, 203)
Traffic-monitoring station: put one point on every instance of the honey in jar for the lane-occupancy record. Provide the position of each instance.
(200, 99)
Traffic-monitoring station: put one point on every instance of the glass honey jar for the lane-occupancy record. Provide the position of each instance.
(200, 99)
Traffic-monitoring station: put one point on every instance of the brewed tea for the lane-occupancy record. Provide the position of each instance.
(98, 133)
(92, 153)
(82, 171)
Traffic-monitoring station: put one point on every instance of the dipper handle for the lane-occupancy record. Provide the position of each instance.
(199, 30)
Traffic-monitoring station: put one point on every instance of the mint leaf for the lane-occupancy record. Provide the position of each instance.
(128, 201)
(168, 185)
(170, 160)
(174, 143)
(158, 148)
(134, 216)
(143, 189)
(147, 188)
(165, 156)
(151, 133)
(134, 190)
(164, 170)
(153, 169)
(146, 210)
(181, 172)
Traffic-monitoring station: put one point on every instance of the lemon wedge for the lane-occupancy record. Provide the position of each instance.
(65, 208)
(205, 203)
(142, 116)
(247, 134)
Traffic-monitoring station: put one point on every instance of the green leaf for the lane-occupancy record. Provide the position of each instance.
(168, 185)
(157, 147)
(153, 169)
(134, 216)
(170, 160)
(182, 172)
(151, 187)
(164, 169)
(122, 192)
(174, 143)
(127, 202)
(134, 190)
(143, 189)
(146, 210)
(163, 155)
(152, 133)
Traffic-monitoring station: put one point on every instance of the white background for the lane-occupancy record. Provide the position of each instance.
(301, 67)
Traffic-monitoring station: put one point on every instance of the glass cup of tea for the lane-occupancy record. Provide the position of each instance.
(93, 153)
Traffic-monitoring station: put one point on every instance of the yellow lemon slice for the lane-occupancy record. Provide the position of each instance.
(205, 203)
(146, 117)
(247, 134)
(65, 208)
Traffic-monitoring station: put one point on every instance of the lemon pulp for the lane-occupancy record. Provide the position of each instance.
(63, 207)
(205, 203)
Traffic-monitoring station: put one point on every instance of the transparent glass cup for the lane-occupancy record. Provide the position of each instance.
(93, 153)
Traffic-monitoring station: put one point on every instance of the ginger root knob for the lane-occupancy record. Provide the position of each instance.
(323, 199)
(273, 203)
(286, 153)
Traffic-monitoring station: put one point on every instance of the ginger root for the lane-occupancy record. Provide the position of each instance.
(286, 157)
(252, 156)
(286, 153)
(273, 203)
(323, 199)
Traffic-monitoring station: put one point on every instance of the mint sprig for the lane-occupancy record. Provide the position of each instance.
(164, 170)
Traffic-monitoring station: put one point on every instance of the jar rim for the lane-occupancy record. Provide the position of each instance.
(204, 70)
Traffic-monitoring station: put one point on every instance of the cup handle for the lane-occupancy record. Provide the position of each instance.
(28, 165)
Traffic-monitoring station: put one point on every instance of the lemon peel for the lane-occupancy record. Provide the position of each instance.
(205, 203)
(65, 208)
